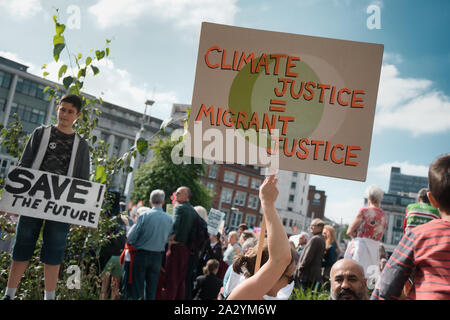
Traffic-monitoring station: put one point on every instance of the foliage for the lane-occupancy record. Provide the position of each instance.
(162, 173)
(309, 294)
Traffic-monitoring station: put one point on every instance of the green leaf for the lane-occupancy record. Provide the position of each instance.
(67, 81)
(58, 40)
(99, 54)
(79, 56)
(45, 74)
(46, 88)
(62, 71)
(74, 90)
(100, 174)
(59, 28)
(88, 61)
(44, 66)
(57, 50)
(142, 145)
(107, 51)
(81, 73)
(95, 70)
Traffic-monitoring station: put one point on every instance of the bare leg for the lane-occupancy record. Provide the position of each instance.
(115, 283)
(16, 273)
(51, 276)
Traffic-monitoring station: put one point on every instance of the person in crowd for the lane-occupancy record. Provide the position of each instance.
(277, 259)
(149, 237)
(202, 212)
(242, 227)
(308, 272)
(366, 231)
(194, 258)
(178, 253)
(332, 251)
(208, 285)
(231, 278)
(420, 212)
(348, 281)
(302, 240)
(57, 149)
(424, 248)
(246, 234)
(212, 249)
(234, 248)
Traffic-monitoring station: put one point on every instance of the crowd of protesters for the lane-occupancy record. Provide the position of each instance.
(163, 257)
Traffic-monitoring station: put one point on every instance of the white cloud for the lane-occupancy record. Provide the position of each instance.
(383, 171)
(184, 14)
(410, 104)
(20, 9)
(392, 58)
(345, 209)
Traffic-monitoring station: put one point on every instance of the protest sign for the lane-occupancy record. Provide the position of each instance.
(215, 217)
(306, 103)
(48, 196)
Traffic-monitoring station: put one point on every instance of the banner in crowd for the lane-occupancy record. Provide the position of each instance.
(48, 196)
(307, 103)
(215, 217)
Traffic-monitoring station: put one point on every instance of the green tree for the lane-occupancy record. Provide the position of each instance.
(162, 173)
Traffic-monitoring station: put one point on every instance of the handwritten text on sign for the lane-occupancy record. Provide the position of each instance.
(50, 196)
(215, 217)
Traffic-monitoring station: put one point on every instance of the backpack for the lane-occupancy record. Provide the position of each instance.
(198, 234)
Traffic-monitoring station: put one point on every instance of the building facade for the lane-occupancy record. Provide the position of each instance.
(404, 183)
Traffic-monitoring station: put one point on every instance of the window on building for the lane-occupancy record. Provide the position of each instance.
(256, 183)
(284, 221)
(399, 222)
(211, 186)
(294, 174)
(293, 185)
(291, 197)
(253, 202)
(289, 208)
(212, 172)
(290, 223)
(226, 195)
(396, 237)
(250, 220)
(236, 218)
(116, 147)
(5, 79)
(239, 198)
(243, 180)
(229, 177)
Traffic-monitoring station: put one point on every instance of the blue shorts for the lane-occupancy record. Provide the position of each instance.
(54, 236)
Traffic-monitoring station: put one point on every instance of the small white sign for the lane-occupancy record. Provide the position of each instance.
(215, 217)
(49, 196)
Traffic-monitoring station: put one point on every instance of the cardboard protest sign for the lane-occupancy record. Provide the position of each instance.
(289, 101)
(48, 196)
(215, 218)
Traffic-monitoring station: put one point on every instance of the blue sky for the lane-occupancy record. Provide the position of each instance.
(154, 52)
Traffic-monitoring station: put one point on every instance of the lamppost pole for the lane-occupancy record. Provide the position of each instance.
(136, 160)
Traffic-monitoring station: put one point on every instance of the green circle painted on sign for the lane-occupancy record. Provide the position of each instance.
(253, 92)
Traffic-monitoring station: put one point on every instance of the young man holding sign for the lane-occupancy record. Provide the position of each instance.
(59, 150)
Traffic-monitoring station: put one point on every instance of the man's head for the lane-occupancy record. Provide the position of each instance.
(183, 194)
(422, 196)
(439, 183)
(316, 226)
(68, 110)
(157, 198)
(347, 281)
(303, 239)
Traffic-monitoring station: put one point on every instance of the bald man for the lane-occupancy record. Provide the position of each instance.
(347, 281)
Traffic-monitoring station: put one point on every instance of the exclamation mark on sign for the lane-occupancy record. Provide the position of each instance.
(99, 195)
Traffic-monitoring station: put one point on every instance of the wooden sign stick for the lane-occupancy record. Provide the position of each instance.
(260, 244)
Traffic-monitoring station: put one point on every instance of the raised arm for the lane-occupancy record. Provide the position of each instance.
(278, 245)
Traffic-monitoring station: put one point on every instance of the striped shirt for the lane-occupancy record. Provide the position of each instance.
(419, 213)
(425, 249)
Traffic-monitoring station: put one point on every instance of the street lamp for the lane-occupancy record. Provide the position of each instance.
(135, 160)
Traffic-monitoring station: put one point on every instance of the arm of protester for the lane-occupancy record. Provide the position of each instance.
(30, 151)
(396, 271)
(353, 228)
(84, 150)
(260, 283)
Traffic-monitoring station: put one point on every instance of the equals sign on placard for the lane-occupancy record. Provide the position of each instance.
(275, 105)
